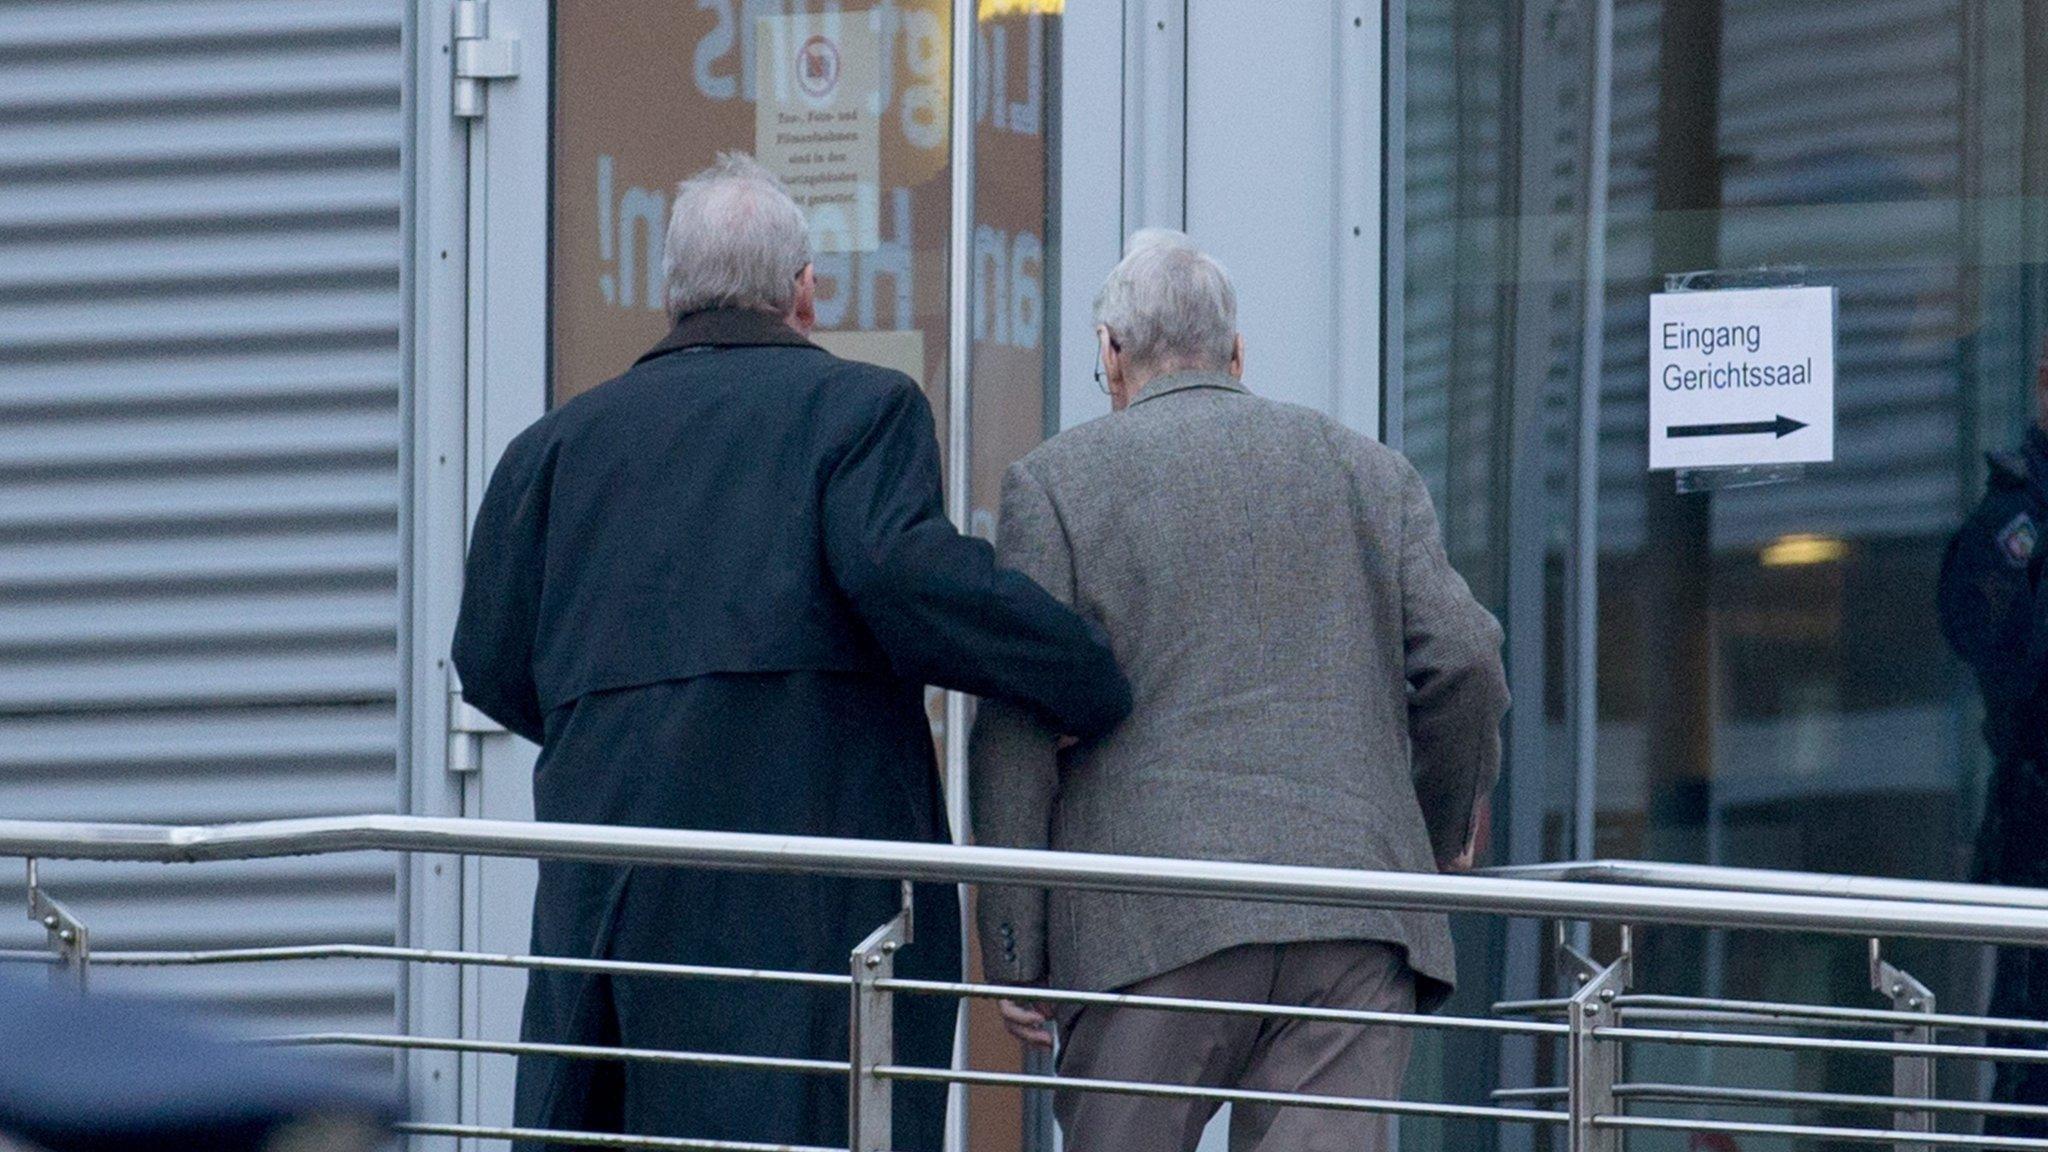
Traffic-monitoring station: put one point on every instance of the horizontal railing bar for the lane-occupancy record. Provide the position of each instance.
(1552, 1092)
(569, 1051)
(1530, 1007)
(1875, 1017)
(210, 956)
(949, 863)
(599, 1139)
(1764, 1013)
(1750, 1019)
(1822, 1044)
(1818, 1132)
(1793, 1098)
(1230, 1095)
(1219, 1007)
(1774, 881)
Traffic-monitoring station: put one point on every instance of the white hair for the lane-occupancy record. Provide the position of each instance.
(735, 240)
(1169, 305)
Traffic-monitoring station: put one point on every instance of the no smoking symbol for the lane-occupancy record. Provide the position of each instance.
(817, 67)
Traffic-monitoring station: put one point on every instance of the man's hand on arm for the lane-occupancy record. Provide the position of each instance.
(938, 603)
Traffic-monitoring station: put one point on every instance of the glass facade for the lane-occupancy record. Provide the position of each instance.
(1750, 676)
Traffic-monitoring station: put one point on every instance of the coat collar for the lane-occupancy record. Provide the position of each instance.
(727, 328)
(1182, 381)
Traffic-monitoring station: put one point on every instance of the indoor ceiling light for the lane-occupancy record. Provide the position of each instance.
(988, 10)
(1802, 548)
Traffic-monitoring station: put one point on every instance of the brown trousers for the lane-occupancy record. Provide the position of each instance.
(1250, 1052)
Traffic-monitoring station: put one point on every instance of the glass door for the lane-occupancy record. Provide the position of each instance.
(1748, 675)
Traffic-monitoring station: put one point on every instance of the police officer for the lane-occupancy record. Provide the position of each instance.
(1994, 611)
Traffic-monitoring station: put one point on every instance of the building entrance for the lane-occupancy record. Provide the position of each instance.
(1706, 669)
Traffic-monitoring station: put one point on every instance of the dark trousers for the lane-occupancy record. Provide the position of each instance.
(2019, 990)
(2011, 850)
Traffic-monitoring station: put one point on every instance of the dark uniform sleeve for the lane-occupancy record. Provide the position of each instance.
(1991, 602)
(1994, 616)
(935, 599)
(501, 590)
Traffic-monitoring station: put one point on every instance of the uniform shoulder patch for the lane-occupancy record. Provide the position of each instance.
(2019, 539)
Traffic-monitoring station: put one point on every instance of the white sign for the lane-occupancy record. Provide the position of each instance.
(901, 349)
(818, 123)
(1741, 377)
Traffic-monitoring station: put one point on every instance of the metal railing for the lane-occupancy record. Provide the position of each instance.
(1718, 878)
(1595, 1025)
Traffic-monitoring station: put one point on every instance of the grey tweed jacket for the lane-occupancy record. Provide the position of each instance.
(1314, 683)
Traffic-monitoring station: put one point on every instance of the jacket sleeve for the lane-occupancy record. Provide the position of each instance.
(935, 599)
(1992, 609)
(1013, 760)
(501, 593)
(1457, 688)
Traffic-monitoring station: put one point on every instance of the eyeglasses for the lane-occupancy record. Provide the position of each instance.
(1101, 371)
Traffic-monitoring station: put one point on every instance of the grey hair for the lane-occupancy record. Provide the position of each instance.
(735, 240)
(1168, 304)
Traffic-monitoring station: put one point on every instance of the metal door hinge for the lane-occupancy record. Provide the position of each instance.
(479, 58)
(466, 729)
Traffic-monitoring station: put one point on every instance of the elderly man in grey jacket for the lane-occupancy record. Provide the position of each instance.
(1314, 685)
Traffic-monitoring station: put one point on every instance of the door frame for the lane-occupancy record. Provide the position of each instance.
(433, 531)
(477, 305)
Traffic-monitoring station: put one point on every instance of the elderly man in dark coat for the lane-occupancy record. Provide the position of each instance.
(713, 590)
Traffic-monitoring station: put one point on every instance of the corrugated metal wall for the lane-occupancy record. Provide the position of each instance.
(199, 436)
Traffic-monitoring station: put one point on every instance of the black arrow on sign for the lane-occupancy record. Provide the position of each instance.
(1783, 426)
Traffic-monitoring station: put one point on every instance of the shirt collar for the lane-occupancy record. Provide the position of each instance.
(727, 328)
(1182, 381)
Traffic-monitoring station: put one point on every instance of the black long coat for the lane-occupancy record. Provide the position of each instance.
(712, 589)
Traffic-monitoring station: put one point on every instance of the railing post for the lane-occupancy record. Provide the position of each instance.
(870, 1105)
(1593, 1065)
(1912, 1076)
(66, 934)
